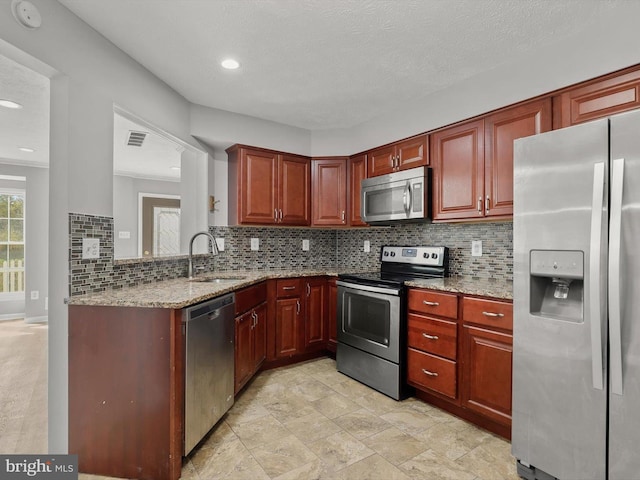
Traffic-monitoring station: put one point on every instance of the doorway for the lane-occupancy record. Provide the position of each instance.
(160, 225)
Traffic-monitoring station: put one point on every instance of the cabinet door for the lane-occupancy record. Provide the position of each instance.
(487, 373)
(329, 191)
(412, 153)
(259, 336)
(381, 161)
(501, 129)
(357, 172)
(614, 94)
(457, 154)
(257, 197)
(243, 350)
(332, 314)
(294, 190)
(287, 326)
(315, 313)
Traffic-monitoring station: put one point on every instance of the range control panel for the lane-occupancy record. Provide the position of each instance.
(432, 256)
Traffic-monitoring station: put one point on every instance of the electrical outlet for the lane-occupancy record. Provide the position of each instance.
(255, 244)
(90, 248)
(220, 243)
(476, 248)
(124, 234)
(35, 294)
(367, 246)
(305, 245)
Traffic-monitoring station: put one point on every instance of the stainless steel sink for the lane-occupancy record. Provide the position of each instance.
(217, 279)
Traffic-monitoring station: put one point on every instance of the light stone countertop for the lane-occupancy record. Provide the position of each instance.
(485, 287)
(180, 292)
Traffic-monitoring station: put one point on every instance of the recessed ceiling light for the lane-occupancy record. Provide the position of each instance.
(9, 104)
(230, 64)
(26, 149)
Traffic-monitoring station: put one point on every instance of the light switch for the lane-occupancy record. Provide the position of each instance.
(305, 245)
(220, 243)
(255, 244)
(476, 248)
(367, 246)
(90, 248)
(124, 234)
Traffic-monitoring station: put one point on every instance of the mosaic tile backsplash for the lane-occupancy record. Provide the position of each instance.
(282, 248)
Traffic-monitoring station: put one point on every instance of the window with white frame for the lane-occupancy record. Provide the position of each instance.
(11, 241)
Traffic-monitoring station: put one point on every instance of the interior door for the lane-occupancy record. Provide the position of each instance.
(160, 226)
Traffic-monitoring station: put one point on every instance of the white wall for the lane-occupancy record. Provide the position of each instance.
(125, 209)
(93, 75)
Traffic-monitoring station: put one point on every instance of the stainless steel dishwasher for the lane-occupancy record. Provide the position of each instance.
(209, 332)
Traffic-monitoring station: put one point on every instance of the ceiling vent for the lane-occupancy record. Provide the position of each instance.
(136, 139)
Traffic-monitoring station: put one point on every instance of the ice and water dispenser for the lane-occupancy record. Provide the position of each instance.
(557, 284)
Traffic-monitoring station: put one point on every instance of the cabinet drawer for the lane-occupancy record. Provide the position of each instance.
(433, 336)
(428, 371)
(433, 303)
(288, 287)
(490, 313)
(249, 297)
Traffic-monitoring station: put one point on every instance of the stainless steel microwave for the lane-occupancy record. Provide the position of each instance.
(397, 196)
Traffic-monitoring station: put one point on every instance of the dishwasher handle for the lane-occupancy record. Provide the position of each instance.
(213, 308)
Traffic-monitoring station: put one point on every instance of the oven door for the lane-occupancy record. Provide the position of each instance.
(369, 319)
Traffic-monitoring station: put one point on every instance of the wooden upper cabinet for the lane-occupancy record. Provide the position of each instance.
(272, 187)
(600, 98)
(457, 155)
(294, 181)
(501, 129)
(473, 162)
(398, 156)
(329, 191)
(357, 171)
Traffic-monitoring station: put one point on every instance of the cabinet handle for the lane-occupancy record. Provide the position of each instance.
(255, 318)
(486, 204)
(308, 290)
(431, 304)
(343, 215)
(298, 307)
(430, 337)
(492, 314)
(289, 288)
(479, 205)
(275, 214)
(280, 215)
(431, 374)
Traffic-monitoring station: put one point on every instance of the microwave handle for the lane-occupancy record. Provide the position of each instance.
(406, 199)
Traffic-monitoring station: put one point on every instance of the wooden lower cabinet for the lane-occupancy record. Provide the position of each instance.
(315, 309)
(250, 344)
(332, 316)
(126, 391)
(486, 386)
(288, 325)
(459, 355)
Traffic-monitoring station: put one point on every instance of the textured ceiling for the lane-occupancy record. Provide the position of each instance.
(320, 64)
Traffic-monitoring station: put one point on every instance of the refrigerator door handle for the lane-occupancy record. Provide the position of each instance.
(615, 320)
(595, 312)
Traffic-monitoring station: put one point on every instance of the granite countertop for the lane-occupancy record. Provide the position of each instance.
(180, 292)
(484, 287)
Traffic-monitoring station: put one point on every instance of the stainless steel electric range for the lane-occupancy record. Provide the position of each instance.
(372, 320)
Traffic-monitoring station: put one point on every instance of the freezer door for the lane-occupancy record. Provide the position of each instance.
(624, 434)
(559, 386)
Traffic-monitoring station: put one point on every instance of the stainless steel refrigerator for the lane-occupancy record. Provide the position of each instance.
(576, 334)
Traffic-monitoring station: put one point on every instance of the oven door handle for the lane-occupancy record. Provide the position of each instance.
(369, 288)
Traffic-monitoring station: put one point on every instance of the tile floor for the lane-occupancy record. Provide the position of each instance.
(306, 421)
